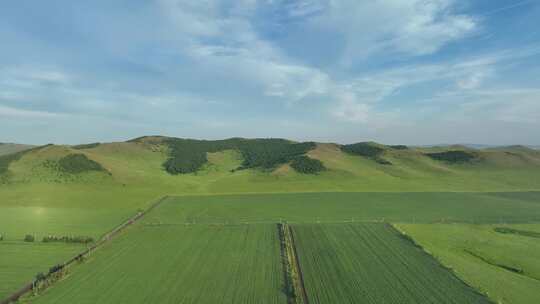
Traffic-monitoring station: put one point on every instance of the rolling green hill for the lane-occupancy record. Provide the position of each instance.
(45, 189)
(86, 190)
(264, 165)
(7, 148)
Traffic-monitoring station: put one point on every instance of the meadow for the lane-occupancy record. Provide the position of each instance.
(41, 195)
(21, 261)
(179, 264)
(503, 265)
(409, 207)
(372, 263)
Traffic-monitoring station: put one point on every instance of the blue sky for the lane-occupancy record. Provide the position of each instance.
(393, 71)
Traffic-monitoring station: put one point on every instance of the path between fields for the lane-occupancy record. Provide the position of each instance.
(103, 240)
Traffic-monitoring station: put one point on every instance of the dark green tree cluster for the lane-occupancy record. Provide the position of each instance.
(507, 230)
(86, 146)
(269, 153)
(367, 150)
(399, 147)
(6, 160)
(189, 155)
(453, 156)
(306, 165)
(68, 239)
(78, 163)
(29, 238)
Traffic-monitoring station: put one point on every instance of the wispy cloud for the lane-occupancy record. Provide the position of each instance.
(30, 114)
(329, 66)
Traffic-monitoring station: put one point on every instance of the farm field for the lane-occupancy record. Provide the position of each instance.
(372, 263)
(179, 264)
(16, 222)
(409, 207)
(192, 230)
(270, 152)
(21, 261)
(503, 265)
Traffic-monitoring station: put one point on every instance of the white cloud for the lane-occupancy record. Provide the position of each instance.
(349, 109)
(10, 112)
(517, 105)
(415, 27)
(25, 76)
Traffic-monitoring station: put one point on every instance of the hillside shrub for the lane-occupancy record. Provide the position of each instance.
(40, 276)
(306, 165)
(29, 238)
(452, 156)
(68, 239)
(6, 160)
(189, 155)
(56, 268)
(507, 230)
(86, 146)
(78, 163)
(367, 150)
(363, 149)
(399, 147)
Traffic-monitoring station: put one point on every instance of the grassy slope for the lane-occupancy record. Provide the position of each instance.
(36, 190)
(197, 264)
(453, 245)
(40, 200)
(371, 263)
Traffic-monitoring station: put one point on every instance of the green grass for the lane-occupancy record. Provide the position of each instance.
(40, 199)
(16, 222)
(337, 207)
(486, 259)
(21, 261)
(179, 264)
(371, 263)
(73, 212)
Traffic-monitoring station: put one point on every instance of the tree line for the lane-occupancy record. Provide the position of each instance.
(189, 155)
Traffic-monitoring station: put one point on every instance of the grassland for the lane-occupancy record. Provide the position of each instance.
(421, 207)
(37, 197)
(371, 263)
(21, 261)
(179, 264)
(207, 229)
(503, 265)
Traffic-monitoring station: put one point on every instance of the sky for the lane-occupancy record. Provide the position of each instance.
(411, 72)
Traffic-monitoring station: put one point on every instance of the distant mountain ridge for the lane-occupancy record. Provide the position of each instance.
(8, 148)
(237, 165)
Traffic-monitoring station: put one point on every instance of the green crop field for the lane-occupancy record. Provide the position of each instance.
(371, 263)
(270, 151)
(179, 264)
(426, 207)
(21, 261)
(42, 194)
(503, 265)
(16, 222)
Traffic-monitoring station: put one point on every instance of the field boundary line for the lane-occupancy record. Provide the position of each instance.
(400, 233)
(294, 271)
(14, 297)
(286, 266)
